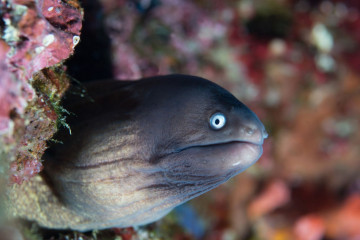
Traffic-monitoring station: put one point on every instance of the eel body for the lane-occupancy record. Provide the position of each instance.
(137, 150)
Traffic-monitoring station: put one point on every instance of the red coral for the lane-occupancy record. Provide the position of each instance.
(125, 233)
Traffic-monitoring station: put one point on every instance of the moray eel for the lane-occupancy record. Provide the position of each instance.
(137, 150)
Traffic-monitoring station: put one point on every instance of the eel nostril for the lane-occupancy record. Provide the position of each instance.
(249, 130)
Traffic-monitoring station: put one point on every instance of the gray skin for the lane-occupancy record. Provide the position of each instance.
(137, 150)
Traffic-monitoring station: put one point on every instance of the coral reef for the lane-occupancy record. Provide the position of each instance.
(40, 120)
(36, 37)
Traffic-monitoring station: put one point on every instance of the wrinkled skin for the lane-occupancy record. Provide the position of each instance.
(139, 149)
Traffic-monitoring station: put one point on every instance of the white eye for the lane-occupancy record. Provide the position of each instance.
(217, 121)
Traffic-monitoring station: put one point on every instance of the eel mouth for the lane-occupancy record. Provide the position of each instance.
(220, 144)
(257, 142)
(223, 157)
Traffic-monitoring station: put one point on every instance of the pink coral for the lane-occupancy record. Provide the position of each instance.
(38, 34)
(275, 195)
(6, 96)
(309, 227)
(29, 169)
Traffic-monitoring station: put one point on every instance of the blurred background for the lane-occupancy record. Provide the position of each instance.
(296, 64)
